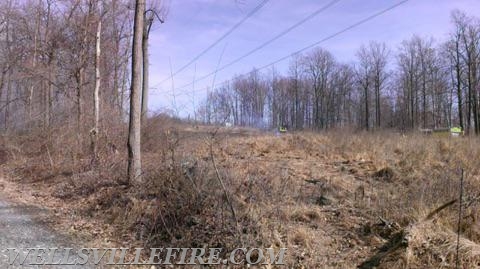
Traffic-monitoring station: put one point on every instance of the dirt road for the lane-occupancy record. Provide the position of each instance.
(19, 229)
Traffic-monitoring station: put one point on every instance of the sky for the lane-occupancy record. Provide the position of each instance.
(191, 26)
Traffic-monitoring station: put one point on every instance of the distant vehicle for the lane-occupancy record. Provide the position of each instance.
(444, 132)
(228, 124)
(456, 131)
(282, 129)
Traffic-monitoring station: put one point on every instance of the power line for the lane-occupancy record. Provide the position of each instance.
(358, 23)
(250, 14)
(271, 40)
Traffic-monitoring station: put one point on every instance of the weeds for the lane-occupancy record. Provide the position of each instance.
(333, 199)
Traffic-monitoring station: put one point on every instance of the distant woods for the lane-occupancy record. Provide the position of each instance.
(69, 63)
(418, 84)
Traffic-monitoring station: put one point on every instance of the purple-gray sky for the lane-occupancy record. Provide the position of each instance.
(193, 25)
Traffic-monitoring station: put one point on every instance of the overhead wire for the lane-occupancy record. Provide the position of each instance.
(264, 44)
(348, 28)
(225, 35)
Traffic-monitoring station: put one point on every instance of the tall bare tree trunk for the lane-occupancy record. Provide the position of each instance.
(96, 101)
(7, 100)
(48, 84)
(476, 89)
(459, 85)
(79, 80)
(146, 33)
(367, 110)
(9, 77)
(34, 65)
(80, 75)
(123, 91)
(134, 128)
(377, 100)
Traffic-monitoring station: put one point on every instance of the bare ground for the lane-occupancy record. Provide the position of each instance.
(21, 227)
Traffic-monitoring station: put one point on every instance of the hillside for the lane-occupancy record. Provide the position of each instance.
(335, 200)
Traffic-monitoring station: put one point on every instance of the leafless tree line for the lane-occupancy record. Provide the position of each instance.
(51, 54)
(68, 63)
(422, 84)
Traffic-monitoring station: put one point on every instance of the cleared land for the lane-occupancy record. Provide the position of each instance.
(335, 200)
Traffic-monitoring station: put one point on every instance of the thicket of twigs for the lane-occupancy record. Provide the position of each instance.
(186, 199)
(335, 200)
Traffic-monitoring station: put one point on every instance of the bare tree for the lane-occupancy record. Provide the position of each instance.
(455, 51)
(96, 99)
(156, 11)
(467, 38)
(296, 84)
(364, 74)
(319, 65)
(379, 57)
(146, 68)
(134, 129)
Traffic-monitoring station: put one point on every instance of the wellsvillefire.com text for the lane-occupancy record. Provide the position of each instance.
(141, 256)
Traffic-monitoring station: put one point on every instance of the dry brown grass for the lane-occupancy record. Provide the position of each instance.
(335, 200)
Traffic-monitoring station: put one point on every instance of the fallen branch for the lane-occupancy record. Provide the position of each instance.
(442, 207)
(398, 241)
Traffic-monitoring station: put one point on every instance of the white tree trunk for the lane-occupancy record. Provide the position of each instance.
(96, 101)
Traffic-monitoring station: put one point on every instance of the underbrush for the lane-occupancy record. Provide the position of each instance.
(185, 198)
(416, 185)
(335, 200)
